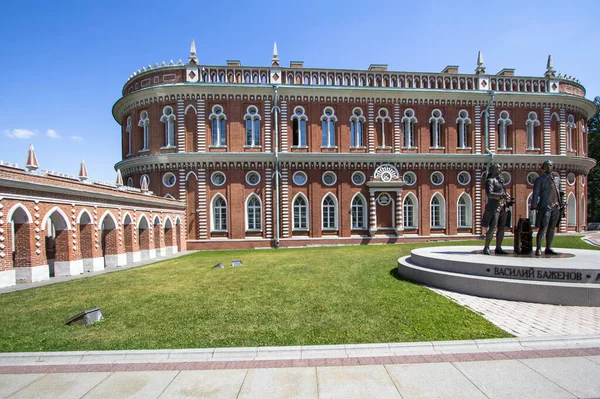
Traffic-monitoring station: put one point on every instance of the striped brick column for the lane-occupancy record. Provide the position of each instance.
(284, 208)
(269, 203)
(372, 213)
(180, 126)
(268, 127)
(181, 184)
(399, 220)
(547, 122)
(283, 131)
(478, 145)
(202, 205)
(563, 185)
(371, 121)
(562, 132)
(201, 125)
(478, 200)
(492, 129)
(397, 132)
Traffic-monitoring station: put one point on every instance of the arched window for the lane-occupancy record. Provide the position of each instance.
(328, 120)
(463, 123)
(128, 131)
(329, 212)
(582, 210)
(504, 138)
(168, 118)
(358, 212)
(357, 121)
(144, 123)
(252, 119)
(464, 209)
(531, 124)
(300, 211)
(437, 211)
(253, 214)
(299, 127)
(571, 211)
(408, 129)
(570, 127)
(219, 213)
(410, 211)
(219, 126)
(384, 121)
(435, 128)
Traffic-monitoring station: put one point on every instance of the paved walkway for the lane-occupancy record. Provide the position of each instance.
(54, 280)
(507, 368)
(525, 319)
(592, 237)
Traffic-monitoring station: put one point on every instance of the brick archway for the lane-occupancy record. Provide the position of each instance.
(62, 259)
(21, 238)
(169, 234)
(91, 262)
(146, 249)
(132, 251)
(159, 247)
(110, 242)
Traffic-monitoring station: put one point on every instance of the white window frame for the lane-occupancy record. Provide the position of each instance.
(442, 211)
(414, 222)
(168, 118)
(383, 118)
(254, 140)
(218, 115)
(435, 127)
(468, 211)
(213, 215)
(128, 128)
(571, 210)
(357, 124)
(254, 229)
(408, 129)
(335, 212)
(302, 119)
(305, 215)
(462, 123)
(354, 208)
(570, 127)
(144, 123)
(328, 119)
(530, 125)
(503, 124)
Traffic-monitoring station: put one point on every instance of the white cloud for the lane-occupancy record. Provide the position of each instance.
(19, 133)
(77, 138)
(52, 134)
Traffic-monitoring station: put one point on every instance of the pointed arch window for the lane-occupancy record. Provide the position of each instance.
(435, 128)
(532, 125)
(218, 126)
(253, 213)
(437, 211)
(571, 126)
(168, 118)
(219, 213)
(504, 122)
(329, 212)
(328, 120)
(300, 211)
(252, 119)
(299, 127)
(128, 131)
(409, 208)
(358, 212)
(357, 121)
(463, 125)
(408, 129)
(464, 210)
(144, 123)
(383, 122)
(571, 211)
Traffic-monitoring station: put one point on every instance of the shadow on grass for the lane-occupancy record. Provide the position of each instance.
(394, 273)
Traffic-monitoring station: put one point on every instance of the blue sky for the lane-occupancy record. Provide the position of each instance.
(63, 64)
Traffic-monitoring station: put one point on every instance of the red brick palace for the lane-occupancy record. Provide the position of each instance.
(288, 156)
(245, 157)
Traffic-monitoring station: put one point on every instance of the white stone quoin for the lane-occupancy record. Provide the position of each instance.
(7, 278)
(171, 250)
(133, 257)
(148, 254)
(117, 260)
(32, 274)
(69, 268)
(93, 264)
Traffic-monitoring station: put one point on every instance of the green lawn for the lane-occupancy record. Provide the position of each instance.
(306, 296)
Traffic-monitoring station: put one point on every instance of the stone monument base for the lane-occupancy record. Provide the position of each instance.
(570, 278)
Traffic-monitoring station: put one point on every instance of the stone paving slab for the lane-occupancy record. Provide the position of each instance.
(61, 385)
(280, 383)
(138, 384)
(11, 383)
(217, 384)
(356, 382)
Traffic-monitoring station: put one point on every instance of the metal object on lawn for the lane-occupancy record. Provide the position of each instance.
(86, 317)
(236, 262)
(218, 266)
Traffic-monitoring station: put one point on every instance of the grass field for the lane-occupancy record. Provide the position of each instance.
(305, 296)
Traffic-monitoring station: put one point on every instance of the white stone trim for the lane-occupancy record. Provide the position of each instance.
(32, 274)
(68, 268)
(115, 260)
(7, 278)
(93, 264)
(133, 257)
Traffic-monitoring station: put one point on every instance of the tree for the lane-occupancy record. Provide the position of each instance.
(594, 175)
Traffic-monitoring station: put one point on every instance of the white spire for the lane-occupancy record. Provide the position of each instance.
(32, 162)
(119, 181)
(480, 67)
(83, 174)
(144, 185)
(550, 71)
(275, 59)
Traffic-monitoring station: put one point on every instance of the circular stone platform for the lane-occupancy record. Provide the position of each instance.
(572, 278)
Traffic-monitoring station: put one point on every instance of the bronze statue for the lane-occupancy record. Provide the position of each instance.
(548, 203)
(497, 209)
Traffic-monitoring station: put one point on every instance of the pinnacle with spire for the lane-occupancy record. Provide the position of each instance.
(275, 59)
(32, 163)
(144, 185)
(193, 58)
(83, 174)
(119, 181)
(480, 67)
(550, 71)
